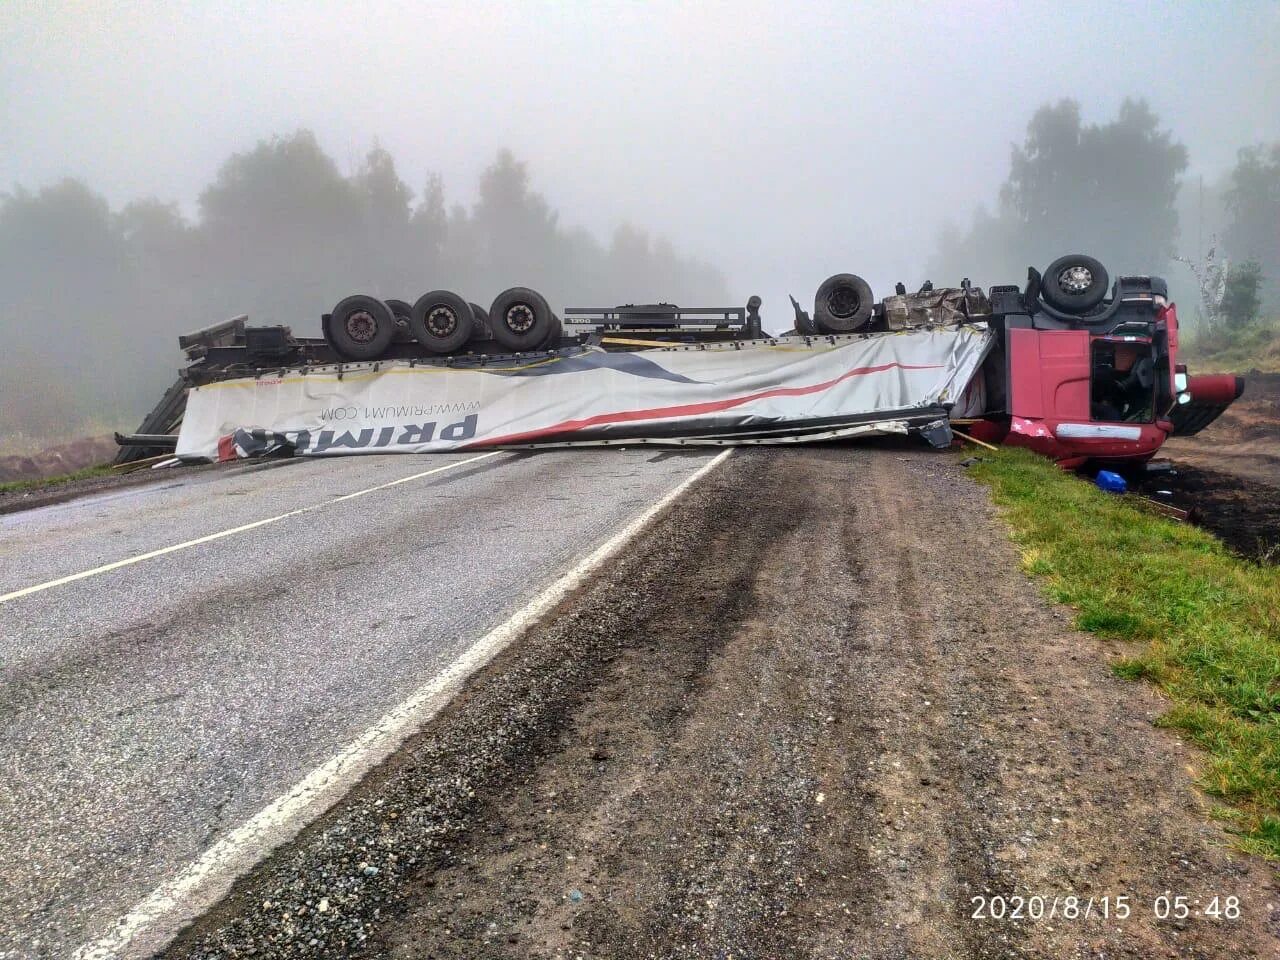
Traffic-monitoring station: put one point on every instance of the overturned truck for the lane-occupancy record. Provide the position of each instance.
(1070, 365)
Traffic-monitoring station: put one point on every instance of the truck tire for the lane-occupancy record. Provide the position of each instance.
(520, 319)
(1074, 283)
(843, 304)
(360, 328)
(482, 330)
(441, 321)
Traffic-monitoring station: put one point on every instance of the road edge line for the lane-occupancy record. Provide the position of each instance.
(156, 919)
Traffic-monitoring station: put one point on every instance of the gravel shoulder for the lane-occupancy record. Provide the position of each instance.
(813, 712)
(55, 492)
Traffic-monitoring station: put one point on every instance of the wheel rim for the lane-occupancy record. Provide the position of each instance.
(360, 326)
(441, 321)
(843, 301)
(520, 317)
(1076, 279)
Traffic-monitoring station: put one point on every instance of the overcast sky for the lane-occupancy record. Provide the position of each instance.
(782, 142)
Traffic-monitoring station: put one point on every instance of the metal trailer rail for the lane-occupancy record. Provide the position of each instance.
(708, 323)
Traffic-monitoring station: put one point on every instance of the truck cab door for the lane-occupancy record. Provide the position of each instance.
(1048, 374)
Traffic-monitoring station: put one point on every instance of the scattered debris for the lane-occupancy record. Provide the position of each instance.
(1110, 481)
(1237, 508)
(975, 440)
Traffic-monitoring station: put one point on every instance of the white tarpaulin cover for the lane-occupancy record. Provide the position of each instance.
(764, 391)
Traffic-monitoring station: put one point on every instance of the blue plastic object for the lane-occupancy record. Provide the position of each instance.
(1110, 482)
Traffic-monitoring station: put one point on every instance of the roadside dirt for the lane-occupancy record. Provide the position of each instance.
(60, 458)
(814, 712)
(1245, 440)
(1242, 512)
(1230, 473)
(15, 501)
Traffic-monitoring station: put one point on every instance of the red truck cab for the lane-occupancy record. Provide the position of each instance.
(1097, 384)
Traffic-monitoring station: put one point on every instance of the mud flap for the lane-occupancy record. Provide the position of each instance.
(938, 433)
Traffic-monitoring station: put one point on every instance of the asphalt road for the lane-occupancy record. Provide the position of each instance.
(147, 710)
(817, 721)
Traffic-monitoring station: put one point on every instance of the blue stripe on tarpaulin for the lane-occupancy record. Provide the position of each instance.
(633, 363)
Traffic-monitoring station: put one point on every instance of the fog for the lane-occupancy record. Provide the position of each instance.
(769, 144)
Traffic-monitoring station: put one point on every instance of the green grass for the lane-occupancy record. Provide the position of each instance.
(1204, 624)
(17, 486)
(1256, 347)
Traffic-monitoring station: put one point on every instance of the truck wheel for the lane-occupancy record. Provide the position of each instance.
(520, 319)
(843, 304)
(360, 328)
(482, 329)
(441, 321)
(1074, 283)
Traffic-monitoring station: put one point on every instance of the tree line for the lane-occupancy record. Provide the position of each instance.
(1117, 190)
(92, 299)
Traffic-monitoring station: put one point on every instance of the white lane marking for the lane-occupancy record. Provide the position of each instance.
(107, 567)
(154, 921)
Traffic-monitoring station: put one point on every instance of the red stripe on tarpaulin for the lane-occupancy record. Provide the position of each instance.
(693, 409)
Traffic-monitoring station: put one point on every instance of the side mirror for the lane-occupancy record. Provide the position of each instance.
(1184, 397)
(1180, 382)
